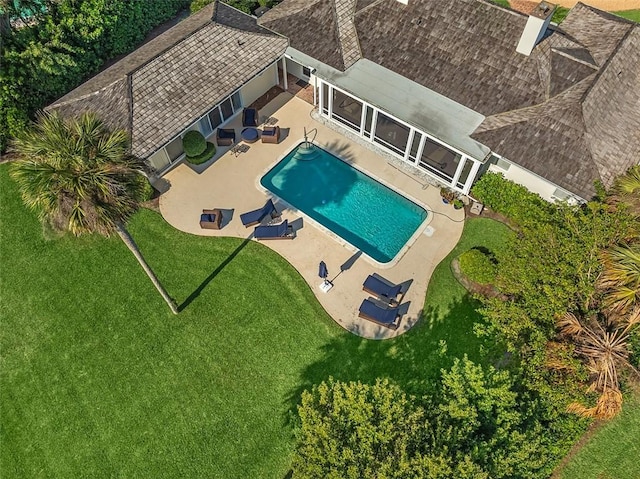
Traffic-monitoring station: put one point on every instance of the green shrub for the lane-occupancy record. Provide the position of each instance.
(206, 155)
(477, 266)
(560, 14)
(510, 199)
(194, 143)
(198, 5)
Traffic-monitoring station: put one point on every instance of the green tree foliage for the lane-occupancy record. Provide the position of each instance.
(478, 266)
(70, 41)
(354, 430)
(480, 424)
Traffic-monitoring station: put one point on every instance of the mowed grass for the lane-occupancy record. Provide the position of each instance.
(613, 451)
(633, 15)
(99, 379)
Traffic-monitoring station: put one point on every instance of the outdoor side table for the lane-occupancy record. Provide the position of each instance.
(250, 135)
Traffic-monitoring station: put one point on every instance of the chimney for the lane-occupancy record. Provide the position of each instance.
(535, 28)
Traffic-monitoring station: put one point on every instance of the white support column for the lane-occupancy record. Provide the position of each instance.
(456, 175)
(315, 91)
(407, 150)
(277, 74)
(284, 73)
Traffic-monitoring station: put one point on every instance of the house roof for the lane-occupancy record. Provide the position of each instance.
(537, 106)
(158, 90)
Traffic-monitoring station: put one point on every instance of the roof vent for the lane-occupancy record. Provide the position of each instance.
(536, 27)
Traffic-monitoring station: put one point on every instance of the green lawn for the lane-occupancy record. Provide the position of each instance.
(629, 15)
(99, 379)
(612, 452)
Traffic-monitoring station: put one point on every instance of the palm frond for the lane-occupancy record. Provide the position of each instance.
(76, 173)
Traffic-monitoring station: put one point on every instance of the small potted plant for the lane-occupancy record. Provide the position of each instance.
(447, 195)
(457, 203)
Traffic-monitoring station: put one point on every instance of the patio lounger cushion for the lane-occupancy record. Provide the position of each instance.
(256, 216)
(380, 313)
(282, 231)
(384, 289)
(250, 117)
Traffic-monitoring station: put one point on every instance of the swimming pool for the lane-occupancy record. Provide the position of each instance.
(362, 211)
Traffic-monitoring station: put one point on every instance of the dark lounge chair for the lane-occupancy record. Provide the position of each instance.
(380, 313)
(250, 117)
(256, 216)
(225, 136)
(383, 288)
(211, 219)
(273, 232)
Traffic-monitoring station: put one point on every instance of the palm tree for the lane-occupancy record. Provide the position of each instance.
(78, 177)
(620, 279)
(602, 344)
(626, 189)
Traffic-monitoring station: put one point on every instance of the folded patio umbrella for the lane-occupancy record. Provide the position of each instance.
(323, 272)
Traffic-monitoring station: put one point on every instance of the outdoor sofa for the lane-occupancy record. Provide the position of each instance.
(274, 232)
(380, 313)
(254, 217)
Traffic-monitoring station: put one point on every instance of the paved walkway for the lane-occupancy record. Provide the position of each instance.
(232, 182)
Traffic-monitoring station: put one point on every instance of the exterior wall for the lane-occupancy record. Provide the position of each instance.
(534, 183)
(295, 69)
(258, 85)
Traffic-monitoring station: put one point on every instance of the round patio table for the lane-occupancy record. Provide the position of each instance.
(250, 135)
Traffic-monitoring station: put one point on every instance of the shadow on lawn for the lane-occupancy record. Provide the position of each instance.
(413, 360)
(215, 273)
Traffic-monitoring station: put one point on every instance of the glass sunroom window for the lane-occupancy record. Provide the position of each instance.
(439, 160)
(347, 110)
(391, 134)
(464, 174)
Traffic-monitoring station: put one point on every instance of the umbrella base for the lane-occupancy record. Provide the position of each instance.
(325, 286)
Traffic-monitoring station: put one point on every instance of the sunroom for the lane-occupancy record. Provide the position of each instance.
(403, 118)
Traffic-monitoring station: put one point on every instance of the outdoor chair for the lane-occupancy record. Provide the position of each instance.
(380, 313)
(211, 219)
(271, 134)
(250, 117)
(274, 232)
(384, 289)
(225, 136)
(254, 217)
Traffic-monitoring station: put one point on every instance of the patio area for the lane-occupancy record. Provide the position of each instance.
(231, 182)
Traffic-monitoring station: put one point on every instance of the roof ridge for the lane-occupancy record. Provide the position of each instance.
(86, 95)
(548, 107)
(559, 51)
(348, 40)
(606, 64)
(173, 45)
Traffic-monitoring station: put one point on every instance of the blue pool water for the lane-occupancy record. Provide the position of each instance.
(367, 214)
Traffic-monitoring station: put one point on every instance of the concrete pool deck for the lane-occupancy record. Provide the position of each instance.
(232, 182)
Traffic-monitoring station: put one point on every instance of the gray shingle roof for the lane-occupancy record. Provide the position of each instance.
(311, 27)
(589, 132)
(568, 112)
(162, 87)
